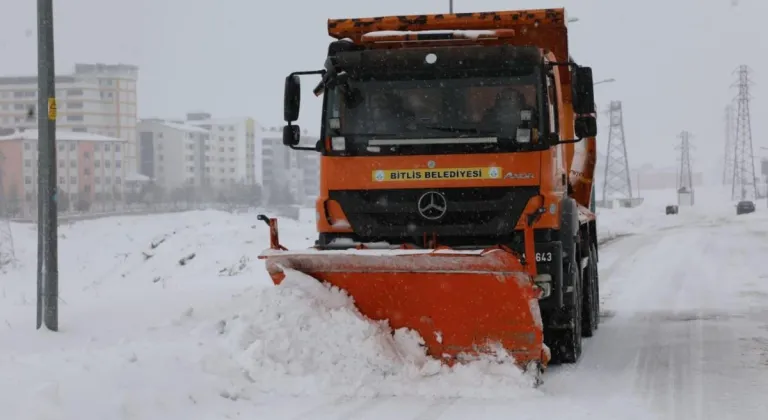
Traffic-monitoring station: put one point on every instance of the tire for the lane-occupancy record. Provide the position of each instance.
(567, 345)
(590, 312)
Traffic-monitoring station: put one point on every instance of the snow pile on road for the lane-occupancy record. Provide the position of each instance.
(306, 338)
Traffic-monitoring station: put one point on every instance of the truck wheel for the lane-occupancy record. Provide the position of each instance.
(567, 345)
(589, 310)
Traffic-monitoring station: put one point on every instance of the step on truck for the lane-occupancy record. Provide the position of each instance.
(456, 160)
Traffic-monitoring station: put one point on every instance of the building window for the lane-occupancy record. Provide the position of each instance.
(27, 146)
(74, 92)
(73, 164)
(106, 164)
(86, 154)
(97, 163)
(117, 147)
(72, 146)
(61, 164)
(75, 118)
(96, 147)
(118, 180)
(106, 147)
(74, 105)
(28, 180)
(79, 130)
(87, 188)
(118, 164)
(61, 180)
(27, 163)
(73, 180)
(86, 171)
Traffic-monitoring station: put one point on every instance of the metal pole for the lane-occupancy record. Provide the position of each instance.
(48, 270)
(450, 6)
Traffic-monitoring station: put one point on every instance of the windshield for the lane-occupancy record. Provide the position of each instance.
(431, 116)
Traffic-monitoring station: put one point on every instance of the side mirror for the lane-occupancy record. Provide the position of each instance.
(585, 127)
(291, 98)
(583, 91)
(291, 135)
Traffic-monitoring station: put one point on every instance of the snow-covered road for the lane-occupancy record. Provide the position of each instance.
(684, 336)
(684, 333)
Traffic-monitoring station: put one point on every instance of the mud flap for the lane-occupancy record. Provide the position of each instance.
(460, 302)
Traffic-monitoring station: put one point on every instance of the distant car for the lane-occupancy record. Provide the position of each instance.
(671, 209)
(745, 207)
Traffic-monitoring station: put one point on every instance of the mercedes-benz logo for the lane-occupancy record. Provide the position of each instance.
(432, 205)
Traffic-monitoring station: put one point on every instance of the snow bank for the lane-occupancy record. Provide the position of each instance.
(305, 338)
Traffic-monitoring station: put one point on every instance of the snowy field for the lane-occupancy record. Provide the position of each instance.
(173, 317)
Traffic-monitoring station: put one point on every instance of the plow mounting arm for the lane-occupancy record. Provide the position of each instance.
(274, 237)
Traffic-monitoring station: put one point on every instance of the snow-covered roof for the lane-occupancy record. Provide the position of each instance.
(183, 127)
(218, 121)
(61, 135)
(137, 177)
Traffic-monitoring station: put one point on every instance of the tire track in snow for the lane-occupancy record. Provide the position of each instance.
(435, 410)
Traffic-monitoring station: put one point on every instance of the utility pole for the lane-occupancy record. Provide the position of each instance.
(729, 146)
(744, 177)
(685, 178)
(617, 182)
(47, 229)
(450, 6)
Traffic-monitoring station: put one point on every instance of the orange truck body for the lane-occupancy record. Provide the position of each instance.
(460, 296)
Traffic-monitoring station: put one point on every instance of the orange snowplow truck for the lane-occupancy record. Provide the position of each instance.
(457, 155)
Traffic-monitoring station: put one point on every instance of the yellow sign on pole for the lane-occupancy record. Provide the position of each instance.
(52, 109)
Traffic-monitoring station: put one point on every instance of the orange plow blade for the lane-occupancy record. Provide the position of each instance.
(458, 301)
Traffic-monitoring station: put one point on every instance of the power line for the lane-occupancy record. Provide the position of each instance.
(617, 181)
(685, 174)
(744, 178)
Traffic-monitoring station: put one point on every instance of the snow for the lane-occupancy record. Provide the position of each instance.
(296, 339)
(61, 135)
(184, 127)
(145, 336)
(471, 34)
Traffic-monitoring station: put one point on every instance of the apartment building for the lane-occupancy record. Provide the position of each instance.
(174, 155)
(233, 151)
(282, 166)
(96, 98)
(90, 167)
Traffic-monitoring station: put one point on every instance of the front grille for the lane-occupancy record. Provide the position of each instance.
(476, 212)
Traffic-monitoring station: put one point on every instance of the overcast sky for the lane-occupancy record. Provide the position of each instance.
(673, 60)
